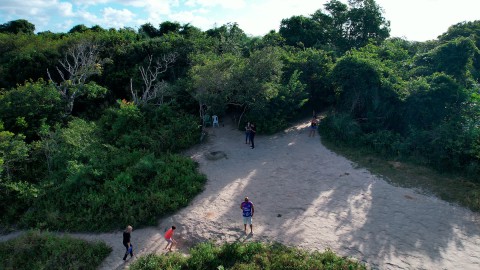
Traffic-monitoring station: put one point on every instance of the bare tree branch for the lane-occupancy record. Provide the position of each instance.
(80, 62)
(153, 90)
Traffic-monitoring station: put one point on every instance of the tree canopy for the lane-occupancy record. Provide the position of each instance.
(87, 115)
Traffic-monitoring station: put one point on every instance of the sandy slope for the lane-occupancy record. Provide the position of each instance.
(308, 196)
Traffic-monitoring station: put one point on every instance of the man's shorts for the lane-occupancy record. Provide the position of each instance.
(169, 240)
(247, 220)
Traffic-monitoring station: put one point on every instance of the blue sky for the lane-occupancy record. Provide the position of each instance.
(413, 19)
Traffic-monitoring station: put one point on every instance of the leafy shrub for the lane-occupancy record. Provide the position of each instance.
(159, 129)
(385, 142)
(140, 189)
(13, 153)
(35, 250)
(25, 108)
(341, 128)
(274, 114)
(204, 256)
(252, 255)
(117, 171)
(173, 261)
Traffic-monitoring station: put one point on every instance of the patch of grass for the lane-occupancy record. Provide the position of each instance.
(407, 173)
(253, 255)
(36, 250)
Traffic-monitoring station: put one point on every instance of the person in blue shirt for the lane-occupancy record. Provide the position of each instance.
(248, 210)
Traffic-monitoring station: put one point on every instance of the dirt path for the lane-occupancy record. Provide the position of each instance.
(310, 197)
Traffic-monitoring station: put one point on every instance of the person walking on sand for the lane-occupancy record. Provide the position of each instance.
(127, 243)
(313, 127)
(169, 238)
(247, 133)
(248, 210)
(253, 131)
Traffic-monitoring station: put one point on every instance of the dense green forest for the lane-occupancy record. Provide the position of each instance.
(91, 121)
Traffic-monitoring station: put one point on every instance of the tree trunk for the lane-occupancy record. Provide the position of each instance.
(241, 115)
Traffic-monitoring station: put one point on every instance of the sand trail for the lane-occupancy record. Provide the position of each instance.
(310, 197)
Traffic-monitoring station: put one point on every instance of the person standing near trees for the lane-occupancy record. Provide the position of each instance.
(313, 126)
(127, 243)
(247, 133)
(248, 210)
(253, 131)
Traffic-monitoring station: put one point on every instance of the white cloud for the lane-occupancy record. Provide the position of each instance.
(65, 26)
(190, 3)
(228, 4)
(116, 18)
(191, 18)
(424, 20)
(157, 7)
(110, 17)
(413, 19)
(39, 12)
(89, 2)
(66, 9)
(264, 16)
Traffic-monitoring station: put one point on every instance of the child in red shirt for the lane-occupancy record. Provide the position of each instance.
(169, 238)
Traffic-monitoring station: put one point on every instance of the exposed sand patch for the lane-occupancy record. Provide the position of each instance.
(310, 197)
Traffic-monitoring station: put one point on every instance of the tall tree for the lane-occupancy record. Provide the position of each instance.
(229, 38)
(80, 28)
(455, 57)
(18, 27)
(301, 31)
(148, 30)
(366, 22)
(169, 27)
(339, 26)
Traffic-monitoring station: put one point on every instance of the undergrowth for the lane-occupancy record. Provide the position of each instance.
(40, 250)
(253, 255)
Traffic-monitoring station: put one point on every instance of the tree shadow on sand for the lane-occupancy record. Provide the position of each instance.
(306, 195)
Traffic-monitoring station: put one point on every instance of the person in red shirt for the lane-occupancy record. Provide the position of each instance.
(169, 238)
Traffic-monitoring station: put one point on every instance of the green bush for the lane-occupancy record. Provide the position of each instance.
(116, 171)
(451, 146)
(35, 250)
(25, 108)
(142, 188)
(159, 129)
(252, 255)
(385, 142)
(341, 128)
(204, 256)
(173, 261)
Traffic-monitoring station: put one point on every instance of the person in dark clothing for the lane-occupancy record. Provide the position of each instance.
(253, 131)
(127, 243)
(247, 133)
(313, 127)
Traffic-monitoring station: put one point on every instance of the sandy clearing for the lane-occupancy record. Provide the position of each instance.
(310, 197)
